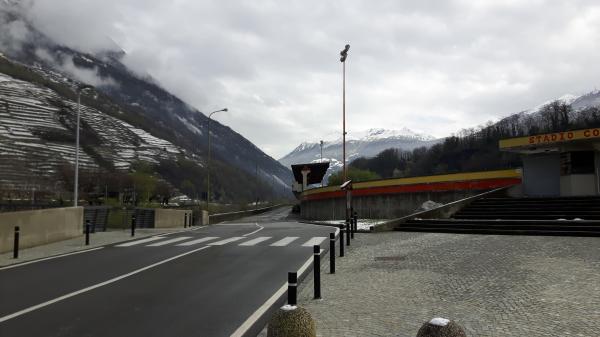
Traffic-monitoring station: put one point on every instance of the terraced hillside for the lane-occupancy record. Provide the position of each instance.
(129, 117)
(36, 137)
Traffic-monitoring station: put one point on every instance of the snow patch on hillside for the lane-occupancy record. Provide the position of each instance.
(189, 125)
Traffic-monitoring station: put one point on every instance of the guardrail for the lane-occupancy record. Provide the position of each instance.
(221, 217)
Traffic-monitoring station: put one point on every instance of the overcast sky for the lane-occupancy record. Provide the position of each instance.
(432, 66)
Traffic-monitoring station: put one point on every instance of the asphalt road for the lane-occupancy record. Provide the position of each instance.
(203, 282)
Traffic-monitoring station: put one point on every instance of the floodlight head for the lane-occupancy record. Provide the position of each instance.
(346, 185)
(344, 53)
(224, 110)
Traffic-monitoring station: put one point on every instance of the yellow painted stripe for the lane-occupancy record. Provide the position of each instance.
(511, 173)
(550, 138)
(513, 142)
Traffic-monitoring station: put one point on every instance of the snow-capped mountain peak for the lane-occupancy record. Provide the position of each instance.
(369, 135)
(375, 134)
(566, 98)
(366, 143)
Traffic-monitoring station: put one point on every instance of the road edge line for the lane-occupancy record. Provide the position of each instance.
(19, 264)
(250, 321)
(49, 258)
(98, 285)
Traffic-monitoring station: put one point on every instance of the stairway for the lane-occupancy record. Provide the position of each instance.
(574, 216)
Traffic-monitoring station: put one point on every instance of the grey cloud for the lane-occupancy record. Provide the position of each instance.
(433, 66)
(13, 33)
(86, 75)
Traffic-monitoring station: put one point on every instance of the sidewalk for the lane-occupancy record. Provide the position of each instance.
(77, 244)
(389, 283)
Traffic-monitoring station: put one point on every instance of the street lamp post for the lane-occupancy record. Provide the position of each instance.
(76, 185)
(208, 162)
(344, 54)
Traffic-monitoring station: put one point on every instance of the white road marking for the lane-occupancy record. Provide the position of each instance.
(285, 241)
(139, 242)
(226, 241)
(255, 241)
(16, 265)
(49, 258)
(197, 241)
(263, 308)
(84, 290)
(256, 231)
(314, 241)
(173, 240)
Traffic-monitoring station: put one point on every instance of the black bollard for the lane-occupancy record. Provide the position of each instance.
(292, 286)
(332, 253)
(184, 220)
(342, 230)
(317, 270)
(133, 225)
(348, 233)
(16, 244)
(87, 232)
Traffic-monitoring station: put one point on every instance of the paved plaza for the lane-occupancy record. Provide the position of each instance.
(390, 283)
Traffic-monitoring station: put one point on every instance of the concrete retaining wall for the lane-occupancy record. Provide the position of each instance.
(398, 197)
(40, 226)
(387, 206)
(171, 218)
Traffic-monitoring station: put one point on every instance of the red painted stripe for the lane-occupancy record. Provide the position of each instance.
(433, 187)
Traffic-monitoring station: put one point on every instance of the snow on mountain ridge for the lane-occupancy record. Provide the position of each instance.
(369, 135)
(365, 143)
(566, 98)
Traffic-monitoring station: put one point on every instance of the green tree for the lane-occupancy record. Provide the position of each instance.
(354, 174)
(145, 185)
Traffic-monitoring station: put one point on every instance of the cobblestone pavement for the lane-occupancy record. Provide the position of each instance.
(76, 244)
(390, 283)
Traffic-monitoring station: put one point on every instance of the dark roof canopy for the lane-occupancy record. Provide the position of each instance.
(317, 172)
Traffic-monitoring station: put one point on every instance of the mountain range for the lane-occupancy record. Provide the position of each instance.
(366, 143)
(127, 117)
(371, 142)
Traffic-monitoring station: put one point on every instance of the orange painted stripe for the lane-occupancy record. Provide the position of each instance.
(433, 187)
(452, 177)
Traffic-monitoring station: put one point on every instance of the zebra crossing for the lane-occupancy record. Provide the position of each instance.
(187, 241)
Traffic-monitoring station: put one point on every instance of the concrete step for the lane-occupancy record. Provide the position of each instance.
(504, 216)
(544, 199)
(531, 211)
(486, 231)
(514, 227)
(506, 222)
